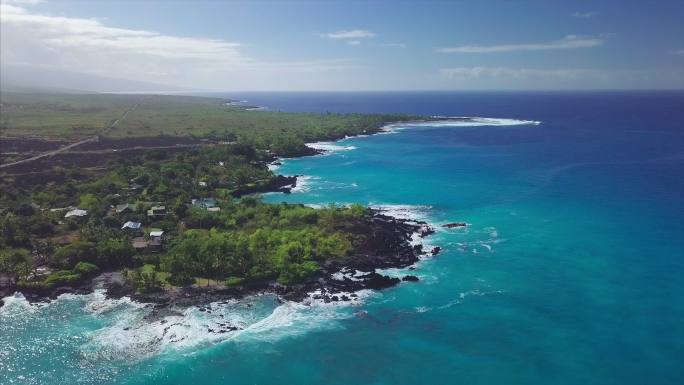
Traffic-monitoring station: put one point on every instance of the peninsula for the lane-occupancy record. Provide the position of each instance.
(154, 197)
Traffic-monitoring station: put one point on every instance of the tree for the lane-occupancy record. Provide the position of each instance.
(115, 252)
(89, 202)
(67, 256)
(16, 261)
(145, 279)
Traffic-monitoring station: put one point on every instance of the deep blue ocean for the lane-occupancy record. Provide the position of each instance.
(571, 270)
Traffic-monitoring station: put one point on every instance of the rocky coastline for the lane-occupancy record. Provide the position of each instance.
(389, 244)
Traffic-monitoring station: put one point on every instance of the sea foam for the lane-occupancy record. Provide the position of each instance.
(460, 122)
(329, 147)
(408, 212)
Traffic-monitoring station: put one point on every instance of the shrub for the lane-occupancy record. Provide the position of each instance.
(68, 256)
(145, 279)
(62, 277)
(234, 281)
(86, 269)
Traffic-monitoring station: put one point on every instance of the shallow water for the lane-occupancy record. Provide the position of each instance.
(570, 270)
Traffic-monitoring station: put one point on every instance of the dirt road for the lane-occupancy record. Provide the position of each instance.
(72, 145)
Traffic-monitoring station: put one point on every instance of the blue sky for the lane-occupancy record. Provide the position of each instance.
(377, 45)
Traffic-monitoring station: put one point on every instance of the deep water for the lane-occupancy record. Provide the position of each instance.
(571, 270)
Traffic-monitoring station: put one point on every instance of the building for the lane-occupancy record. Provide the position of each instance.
(156, 233)
(134, 226)
(125, 208)
(142, 244)
(76, 213)
(139, 243)
(156, 211)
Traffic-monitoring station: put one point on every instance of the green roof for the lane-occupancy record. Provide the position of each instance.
(125, 206)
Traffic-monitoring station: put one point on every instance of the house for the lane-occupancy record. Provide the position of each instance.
(202, 183)
(135, 226)
(156, 239)
(156, 233)
(125, 208)
(139, 243)
(152, 244)
(156, 211)
(76, 213)
(204, 203)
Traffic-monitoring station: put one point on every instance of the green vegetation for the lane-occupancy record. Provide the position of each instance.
(146, 278)
(76, 116)
(256, 241)
(59, 115)
(244, 241)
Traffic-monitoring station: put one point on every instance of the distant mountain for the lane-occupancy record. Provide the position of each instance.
(27, 79)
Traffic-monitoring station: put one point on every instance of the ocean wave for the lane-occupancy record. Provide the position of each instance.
(329, 147)
(462, 296)
(401, 211)
(17, 305)
(132, 337)
(273, 167)
(459, 121)
(127, 331)
(304, 183)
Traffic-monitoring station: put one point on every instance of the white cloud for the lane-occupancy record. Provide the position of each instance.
(568, 42)
(570, 78)
(518, 73)
(353, 42)
(64, 33)
(585, 15)
(24, 2)
(396, 45)
(34, 40)
(349, 34)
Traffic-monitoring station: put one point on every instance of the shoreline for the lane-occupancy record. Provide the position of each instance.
(391, 246)
(332, 283)
(321, 284)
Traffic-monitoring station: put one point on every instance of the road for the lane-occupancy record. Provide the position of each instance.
(72, 145)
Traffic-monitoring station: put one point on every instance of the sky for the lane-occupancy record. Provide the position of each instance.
(347, 45)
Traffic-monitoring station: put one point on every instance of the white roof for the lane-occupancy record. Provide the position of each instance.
(157, 233)
(131, 225)
(76, 213)
(215, 208)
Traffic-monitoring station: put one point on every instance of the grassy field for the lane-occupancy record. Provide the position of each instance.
(59, 115)
(70, 116)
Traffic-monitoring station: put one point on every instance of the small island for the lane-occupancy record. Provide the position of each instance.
(161, 203)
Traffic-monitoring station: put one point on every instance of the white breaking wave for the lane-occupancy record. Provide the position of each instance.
(304, 183)
(17, 305)
(329, 147)
(131, 337)
(409, 212)
(127, 333)
(460, 122)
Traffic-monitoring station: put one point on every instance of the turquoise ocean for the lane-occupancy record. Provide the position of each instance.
(570, 271)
